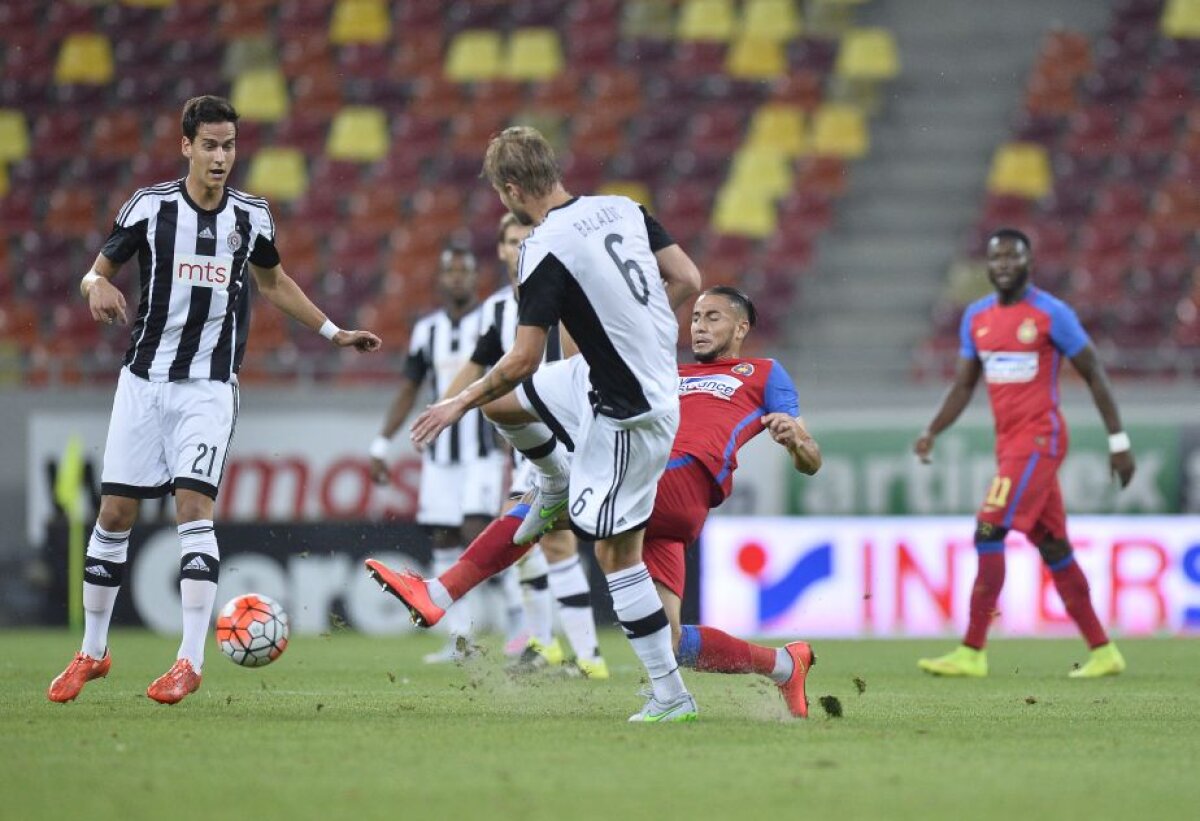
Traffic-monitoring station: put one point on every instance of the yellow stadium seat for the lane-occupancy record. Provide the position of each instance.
(647, 20)
(780, 127)
(358, 134)
(756, 58)
(261, 95)
(14, 135)
(868, 54)
(248, 53)
(3, 180)
(1021, 169)
(533, 54)
(474, 54)
(771, 19)
(84, 58)
(840, 130)
(360, 21)
(744, 212)
(1181, 19)
(278, 173)
(765, 170)
(706, 20)
(637, 191)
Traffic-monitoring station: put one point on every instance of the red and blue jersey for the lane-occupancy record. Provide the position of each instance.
(720, 405)
(1021, 347)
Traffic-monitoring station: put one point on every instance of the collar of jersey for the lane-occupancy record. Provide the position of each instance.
(188, 199)
(566, 204)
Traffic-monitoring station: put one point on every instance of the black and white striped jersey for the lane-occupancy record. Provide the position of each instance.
(439, 347)
(500, 331)
(193, 315)
(591, 264)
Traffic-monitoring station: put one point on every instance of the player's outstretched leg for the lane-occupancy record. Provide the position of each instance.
(1104, 659)
(538, 648)
(456, 618)
(537, 443)
(199, 570)
(570, 587)
(709, 650)
(970, 659)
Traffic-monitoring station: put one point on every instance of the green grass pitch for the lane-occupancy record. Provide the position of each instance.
(346, 726)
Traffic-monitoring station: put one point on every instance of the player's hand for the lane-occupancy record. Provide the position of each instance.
(106, 302)
(1121, 465)
(784, 428)
(363, 341)
(379, 472)
(435, 419)
(923, 447)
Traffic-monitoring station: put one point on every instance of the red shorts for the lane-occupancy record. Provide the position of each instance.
(1025, 496)
(680, 509)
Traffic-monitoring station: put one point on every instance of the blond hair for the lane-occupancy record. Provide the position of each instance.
(521, 155)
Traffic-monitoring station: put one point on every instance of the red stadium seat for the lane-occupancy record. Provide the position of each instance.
(244, 18)
(72, 213)
(298, 56)
(188, 21)
(117, 134)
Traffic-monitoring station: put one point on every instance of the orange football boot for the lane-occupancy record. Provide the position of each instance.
(803, 659)
(79, 672)
(175, 684)
(409, 588)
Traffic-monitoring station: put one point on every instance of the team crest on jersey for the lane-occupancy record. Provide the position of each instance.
(719, 385)
(234, 240)
(743, 369)
(1027, 333)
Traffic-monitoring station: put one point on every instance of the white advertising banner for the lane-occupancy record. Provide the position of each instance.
(830, 577)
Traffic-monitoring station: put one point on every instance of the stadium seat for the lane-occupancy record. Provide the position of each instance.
(766, 170)
(245, 18)
(261, 95)
(647, 20)
(1022, 169)
(706, 20)
(637, 191)
(72, 212)
(840, 130)
(84, 58)
(771, 19)
(751, 57)
(248, 54)
(868, 54)
(358, 134)
(779, 127)
(318, 93)
(1181, 19)
(744, 212)
(278, 173)
(474, 54)
(360, 21)
(4, 185)
(533, 54)
(14, 136)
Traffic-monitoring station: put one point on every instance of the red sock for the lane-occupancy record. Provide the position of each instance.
(1073, 587)
(989, 581)
(723, 653)
(492, 551)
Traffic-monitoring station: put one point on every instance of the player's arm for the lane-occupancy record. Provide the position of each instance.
(966, 377)
(397, 412)
(679, 274)
(1120, 453)
(566, 342)
(517, 365)
(105, 300)
(790, 432)
(282, 291)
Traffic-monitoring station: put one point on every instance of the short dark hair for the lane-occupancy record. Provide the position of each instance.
(742, 302)
(456, 248)
(207, 108)
(1013, 234)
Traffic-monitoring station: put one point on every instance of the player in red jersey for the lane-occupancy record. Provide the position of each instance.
(1016, 339)
(725, 401)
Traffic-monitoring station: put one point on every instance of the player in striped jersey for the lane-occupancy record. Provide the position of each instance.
(554, 567)
(198, 242)
(462, 472)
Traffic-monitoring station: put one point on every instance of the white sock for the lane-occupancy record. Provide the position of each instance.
(438, 594)
(537, 444)
(539, 605)
(645, 622)
(514, 603)
(103, 572)
(783, 666)
(199, 569)
(457, 620)
(570, 587)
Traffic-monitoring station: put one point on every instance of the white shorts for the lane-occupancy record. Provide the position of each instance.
(168, 435)
(451, 492)
(616, 464)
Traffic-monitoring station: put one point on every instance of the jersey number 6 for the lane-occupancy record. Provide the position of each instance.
(628, 268)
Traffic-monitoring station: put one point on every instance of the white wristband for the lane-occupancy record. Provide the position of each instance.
(1118, 442)
(380, 446)
(88, 280)
(329, 330)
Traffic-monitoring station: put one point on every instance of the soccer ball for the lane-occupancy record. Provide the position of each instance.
(252, 630)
